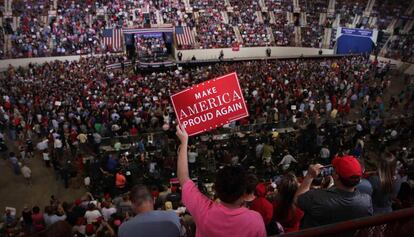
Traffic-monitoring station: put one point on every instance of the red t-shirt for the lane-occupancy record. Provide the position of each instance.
(292, 222)
(264, 207)
(38, 221)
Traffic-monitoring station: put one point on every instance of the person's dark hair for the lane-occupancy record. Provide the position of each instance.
(386, 165)
(140, 194)
(251, 183)
(351, 181)
(36, 209)
(287, 189)
(91, 207)
(231, 183)
(49, 210)
(60, 228)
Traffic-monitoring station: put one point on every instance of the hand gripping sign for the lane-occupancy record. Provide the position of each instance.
(210, 104)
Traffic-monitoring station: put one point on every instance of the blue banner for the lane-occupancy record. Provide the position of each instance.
(356, 32)
(150, 35)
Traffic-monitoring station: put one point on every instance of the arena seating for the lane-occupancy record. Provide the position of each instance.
(75, 27)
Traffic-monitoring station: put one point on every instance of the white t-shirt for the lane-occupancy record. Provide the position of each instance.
(192, 157)
(325, 153)
(92, 216)
(58, 143)
(107, 212)
(285, 162)
(46, 156)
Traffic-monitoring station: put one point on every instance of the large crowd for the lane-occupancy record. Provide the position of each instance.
(76, 27)
(73, 106)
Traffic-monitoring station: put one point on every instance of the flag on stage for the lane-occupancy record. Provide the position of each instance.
(185, 36)
(113, 38)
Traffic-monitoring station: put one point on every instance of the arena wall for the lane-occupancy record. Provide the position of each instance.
(213, 54)
(253, 52)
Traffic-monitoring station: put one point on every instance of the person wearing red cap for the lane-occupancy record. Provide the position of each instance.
(339, 203)
(261, 204)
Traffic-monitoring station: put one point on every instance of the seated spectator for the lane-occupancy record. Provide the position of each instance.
(339, 203)
(385, 184)
(226, 218)
(148, 222)
(285, 210)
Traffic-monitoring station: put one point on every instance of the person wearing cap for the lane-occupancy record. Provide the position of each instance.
(339, 203)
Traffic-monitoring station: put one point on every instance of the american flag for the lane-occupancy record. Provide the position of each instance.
(185, 36)
(113, 38)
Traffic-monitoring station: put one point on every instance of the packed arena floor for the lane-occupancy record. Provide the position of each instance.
(93, 143)
(109, 130)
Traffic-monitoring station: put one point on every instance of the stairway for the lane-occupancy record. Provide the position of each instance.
(410, 9)
(225, 17)
(290, 18)
(357, 19)
(262, 5)
(322, 18)
(336, 22)
(238, 35)
(187, 4)
(326, 38)
(369, 7)
(160, 20)
(296, 7)
(259, 18)
(372, 21)
(408, 26)
(270, 34)
(386, 38)
(331, 7)
(391, 26)
(272, 17)
(298, 36)
(303, 21)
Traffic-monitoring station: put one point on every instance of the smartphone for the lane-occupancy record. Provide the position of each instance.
(326, 170)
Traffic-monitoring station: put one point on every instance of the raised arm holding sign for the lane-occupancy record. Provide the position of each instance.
(210, 104)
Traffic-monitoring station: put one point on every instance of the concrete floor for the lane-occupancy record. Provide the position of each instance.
(14, 191)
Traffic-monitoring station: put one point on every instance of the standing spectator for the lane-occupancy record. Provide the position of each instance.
(285, 211)
(107, 210)
(339, 203)
(92, 214)
(385, 184)
(287, 160)
(14, 163)
(27, 174)
(148, 222)
(227, 218)
(37, 219)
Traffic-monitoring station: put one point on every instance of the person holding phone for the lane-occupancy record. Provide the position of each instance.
(339, 203)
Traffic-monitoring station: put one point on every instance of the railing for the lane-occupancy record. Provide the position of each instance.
(398, 223)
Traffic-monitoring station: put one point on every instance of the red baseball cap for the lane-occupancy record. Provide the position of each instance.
(347, 166)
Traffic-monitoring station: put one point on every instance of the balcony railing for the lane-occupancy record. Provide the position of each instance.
(396, 224)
